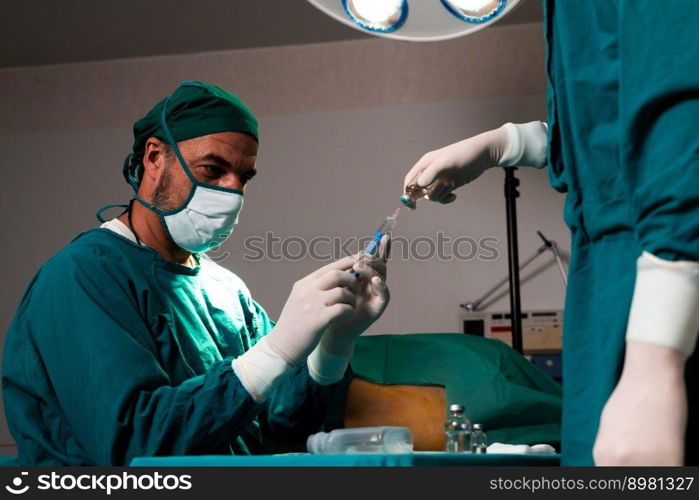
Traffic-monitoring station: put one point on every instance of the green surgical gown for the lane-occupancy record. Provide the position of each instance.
(623, 108)
(115, 353)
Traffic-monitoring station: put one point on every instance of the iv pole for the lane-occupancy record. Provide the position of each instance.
(511, 195)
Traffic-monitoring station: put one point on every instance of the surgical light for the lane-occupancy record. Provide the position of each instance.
(377, 15)
(474, 11)
(417, 20)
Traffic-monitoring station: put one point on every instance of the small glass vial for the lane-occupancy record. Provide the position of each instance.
(457, 430)
(386, 439)
(479, 441)
(413, 192)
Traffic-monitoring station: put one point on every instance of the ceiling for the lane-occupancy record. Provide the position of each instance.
(39, 32)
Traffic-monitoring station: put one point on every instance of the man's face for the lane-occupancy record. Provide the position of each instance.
(226, 159)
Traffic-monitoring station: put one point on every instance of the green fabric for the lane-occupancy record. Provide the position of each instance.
(515, 401)
(418, 459)
(8, 461)
(623, 100)
(193, 110)
(115, 353)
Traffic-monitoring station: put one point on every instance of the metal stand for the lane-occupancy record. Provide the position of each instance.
(547, 245)
(511, 195)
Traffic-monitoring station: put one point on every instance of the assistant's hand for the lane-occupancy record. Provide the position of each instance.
(443, 170)
(644, 420)
(316, 301)
(371, 301)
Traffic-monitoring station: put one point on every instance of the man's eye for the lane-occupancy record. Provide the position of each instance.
(213, 171)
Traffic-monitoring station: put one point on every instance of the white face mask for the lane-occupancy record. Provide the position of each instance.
(206, 220)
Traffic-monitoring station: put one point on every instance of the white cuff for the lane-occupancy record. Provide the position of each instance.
(665, 305)
(260, 370)
(527, 145)
(326, 368)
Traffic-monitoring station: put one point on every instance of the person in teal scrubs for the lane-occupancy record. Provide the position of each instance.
(131, 342)
(621, 141)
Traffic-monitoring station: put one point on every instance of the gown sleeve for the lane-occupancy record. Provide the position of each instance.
(659, 156)
(95, 344)
(299, 406)
(659, 106)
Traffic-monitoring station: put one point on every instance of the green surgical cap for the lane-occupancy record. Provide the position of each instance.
(193, 110)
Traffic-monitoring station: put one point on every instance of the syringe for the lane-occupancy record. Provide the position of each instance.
(372, 246)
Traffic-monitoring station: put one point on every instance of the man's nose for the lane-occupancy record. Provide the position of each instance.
(232, 181)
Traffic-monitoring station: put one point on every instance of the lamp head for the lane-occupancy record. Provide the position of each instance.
(417, 20)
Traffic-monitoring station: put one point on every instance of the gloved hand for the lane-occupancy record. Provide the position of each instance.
(644, 420)
(443, 170)
(328, 362)
(316, 301)
(371, 301)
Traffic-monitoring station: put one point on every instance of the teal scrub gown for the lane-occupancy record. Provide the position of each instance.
(623, 108)
(116, 353)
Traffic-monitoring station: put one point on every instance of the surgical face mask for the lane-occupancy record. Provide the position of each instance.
(205, 220)
(207, 217)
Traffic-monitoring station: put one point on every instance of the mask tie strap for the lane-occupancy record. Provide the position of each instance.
(171, 140)
(150, 207)
(99, 212)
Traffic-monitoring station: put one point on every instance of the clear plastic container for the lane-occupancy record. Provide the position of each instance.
(361, 440)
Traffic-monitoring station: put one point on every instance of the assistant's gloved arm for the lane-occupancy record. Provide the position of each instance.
(443, 170)
(526, 145)
(661, 333)
(665, 306)
(321, 298)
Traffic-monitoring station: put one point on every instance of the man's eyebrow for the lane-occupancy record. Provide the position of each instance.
(218, 160)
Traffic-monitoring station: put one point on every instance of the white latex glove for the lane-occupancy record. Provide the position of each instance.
(315, 302)
(328, 362)
(324, 296)
(644, 420)
(443, 170)
(371, 301)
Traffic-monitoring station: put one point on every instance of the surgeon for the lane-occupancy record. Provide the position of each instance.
(621, 141)
(131, 342)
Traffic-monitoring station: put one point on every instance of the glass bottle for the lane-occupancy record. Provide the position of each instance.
(457, 430)
(413, 192)
(479, 441)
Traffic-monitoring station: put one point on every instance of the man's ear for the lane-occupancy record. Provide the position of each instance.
(154, 158)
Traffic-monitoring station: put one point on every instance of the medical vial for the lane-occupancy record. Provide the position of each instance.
(457, 430)
(479, 441)
(413, 192)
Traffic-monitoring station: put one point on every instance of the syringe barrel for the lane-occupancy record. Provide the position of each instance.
(373, 245)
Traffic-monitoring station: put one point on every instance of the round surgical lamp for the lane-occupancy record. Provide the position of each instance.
(417, 20)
